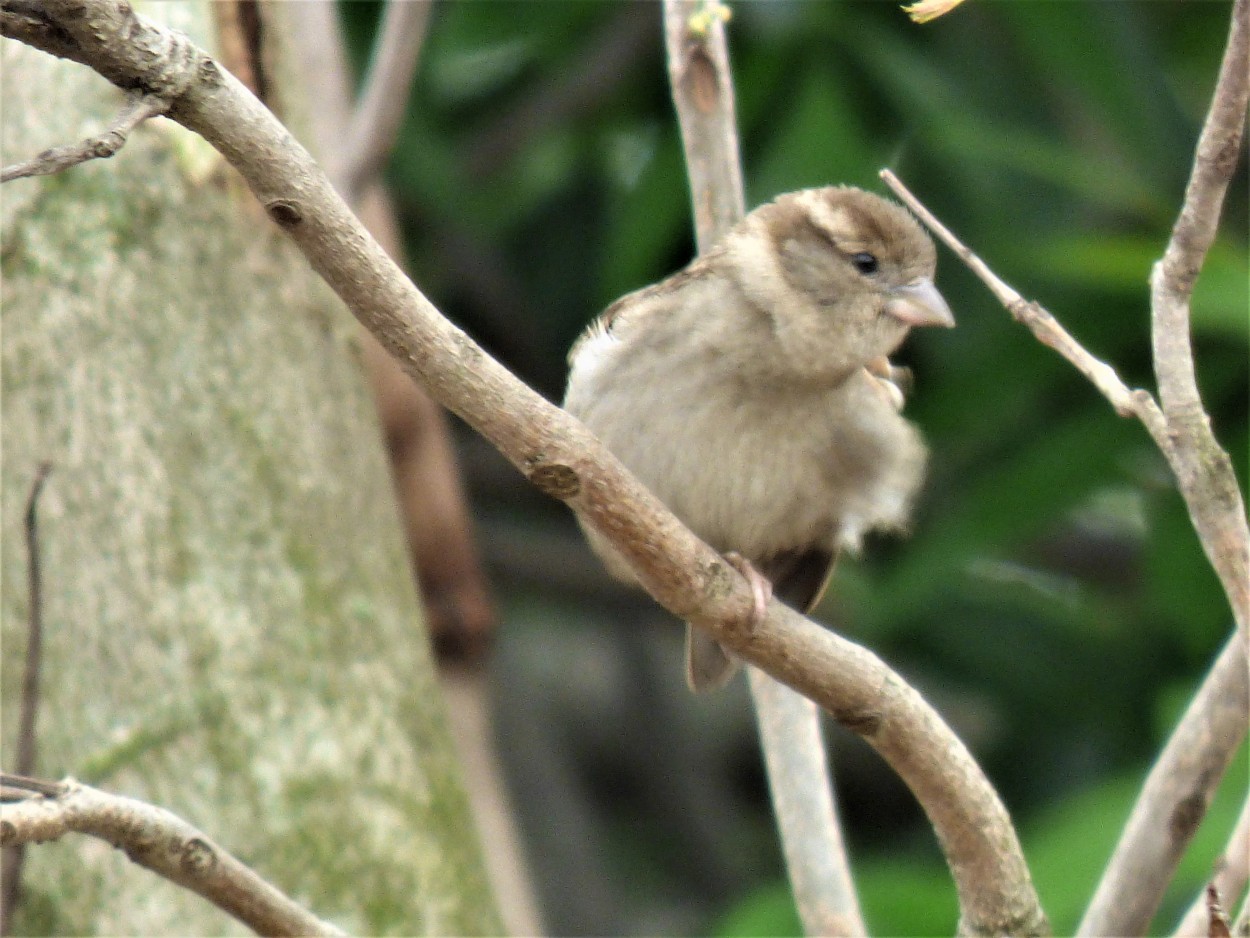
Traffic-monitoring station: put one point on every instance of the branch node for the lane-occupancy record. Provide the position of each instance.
(198, 857)
(864, 722)
(557, 480)
(286, 212)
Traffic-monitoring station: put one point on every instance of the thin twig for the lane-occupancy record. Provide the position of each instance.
(1218, 925)
(380, 108)
(164, 843)
(139, 107)
(26, 735)
(1039, 321)
(789, 724)
(1232, 871)
(559, 456)
(27, 738)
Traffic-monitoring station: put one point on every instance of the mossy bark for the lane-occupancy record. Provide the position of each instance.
(231, 629)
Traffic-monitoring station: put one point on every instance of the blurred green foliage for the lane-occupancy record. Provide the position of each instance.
(1053, 599)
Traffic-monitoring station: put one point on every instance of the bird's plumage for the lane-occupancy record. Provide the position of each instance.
(752, 394)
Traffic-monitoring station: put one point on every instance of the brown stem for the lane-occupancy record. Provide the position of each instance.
(27, 733)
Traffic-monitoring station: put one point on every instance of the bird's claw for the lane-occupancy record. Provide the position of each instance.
(761, 589)
(890, 381)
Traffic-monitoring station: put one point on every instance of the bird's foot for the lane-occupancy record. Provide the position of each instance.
(761, 589)
(890, 381)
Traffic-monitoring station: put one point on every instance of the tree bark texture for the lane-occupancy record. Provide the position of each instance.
(231, 629)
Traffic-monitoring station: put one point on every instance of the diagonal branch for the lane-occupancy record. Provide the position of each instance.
(559, 455)
(154, 838)
(1232, 871)
(139, 107)
(376, 118)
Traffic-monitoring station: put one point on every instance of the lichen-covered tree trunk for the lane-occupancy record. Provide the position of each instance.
(231, 630)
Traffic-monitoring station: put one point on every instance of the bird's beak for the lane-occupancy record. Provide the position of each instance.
(919, 304)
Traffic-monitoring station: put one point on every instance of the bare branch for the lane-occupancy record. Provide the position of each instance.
(1202, 468)
(559, 456)
(1215, 159)
(139, 107)
(789, 724)
(1039, 321)
(1218, 925)
(1174, 799)
(1195, 758)
(164, 843)
(698, 70)
(380, 108)
(27, 738)
(1232, 872)
(1180, 786)
(802, 794)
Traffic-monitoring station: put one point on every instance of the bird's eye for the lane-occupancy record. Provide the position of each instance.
(864, 262)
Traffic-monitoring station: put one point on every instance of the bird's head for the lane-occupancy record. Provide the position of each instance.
(843, 273)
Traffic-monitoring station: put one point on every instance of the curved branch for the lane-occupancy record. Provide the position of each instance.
(157, 839)
(565, 461)
(1204, 471)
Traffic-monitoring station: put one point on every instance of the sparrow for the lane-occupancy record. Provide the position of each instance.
(752, 392)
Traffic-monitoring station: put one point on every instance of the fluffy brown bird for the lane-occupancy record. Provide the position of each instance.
(752, 393)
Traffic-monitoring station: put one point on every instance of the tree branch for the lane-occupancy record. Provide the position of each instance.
(1179, 788)
(1232, 871)
(380, 107)
(157, 839)
(558, 455)
(802, 795)
(698, 70)
(28, 718)
(1203, 469)
(139, 107)
(1174, 799)
(791, 736)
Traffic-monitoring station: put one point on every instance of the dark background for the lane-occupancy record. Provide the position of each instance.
(1053, 601)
